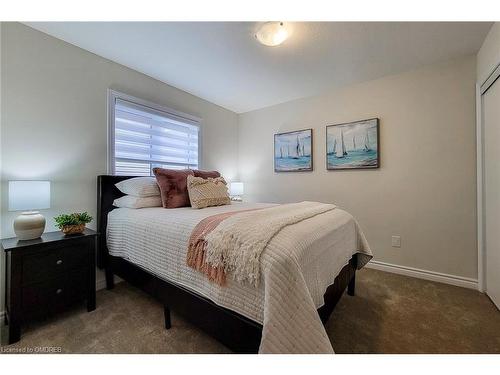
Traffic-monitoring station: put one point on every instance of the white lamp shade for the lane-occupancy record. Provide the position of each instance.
(29, 195)
(236, 188)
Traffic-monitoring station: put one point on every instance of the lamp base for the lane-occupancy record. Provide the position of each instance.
(29, 225)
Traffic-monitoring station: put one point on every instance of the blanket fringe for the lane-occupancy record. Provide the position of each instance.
(196, 260)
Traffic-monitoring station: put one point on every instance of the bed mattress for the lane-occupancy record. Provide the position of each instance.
(156, 239)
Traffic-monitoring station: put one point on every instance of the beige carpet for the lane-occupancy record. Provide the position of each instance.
(389, 314)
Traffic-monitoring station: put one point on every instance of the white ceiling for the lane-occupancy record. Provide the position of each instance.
(224, 64)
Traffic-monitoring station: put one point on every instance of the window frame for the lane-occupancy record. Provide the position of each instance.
(113, 95)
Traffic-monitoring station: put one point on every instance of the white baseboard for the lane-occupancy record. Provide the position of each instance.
(100, 284)
(444, 278)
(463, 282)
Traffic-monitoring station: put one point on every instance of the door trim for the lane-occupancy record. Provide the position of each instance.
(480, 191)
(481, 89)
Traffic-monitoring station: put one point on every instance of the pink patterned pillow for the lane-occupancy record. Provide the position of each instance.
(173, 187)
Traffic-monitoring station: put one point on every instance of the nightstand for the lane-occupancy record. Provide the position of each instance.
(46, 275)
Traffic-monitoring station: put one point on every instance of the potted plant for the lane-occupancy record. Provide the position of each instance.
(73, 223)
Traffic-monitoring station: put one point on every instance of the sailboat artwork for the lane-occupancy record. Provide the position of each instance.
(353, 145)
(293, 151)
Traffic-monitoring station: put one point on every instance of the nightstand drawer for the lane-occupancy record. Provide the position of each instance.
(44, 265)
(55, 294)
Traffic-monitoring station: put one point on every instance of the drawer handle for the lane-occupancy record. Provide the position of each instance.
(58, 291)
(59, 262)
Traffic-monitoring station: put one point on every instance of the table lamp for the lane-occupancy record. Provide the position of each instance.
(28, 196)
(236, 191)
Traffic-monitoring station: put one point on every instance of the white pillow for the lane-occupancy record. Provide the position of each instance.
(139, 187)
(129, 201)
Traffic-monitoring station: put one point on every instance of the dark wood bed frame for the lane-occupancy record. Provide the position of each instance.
(237, 332)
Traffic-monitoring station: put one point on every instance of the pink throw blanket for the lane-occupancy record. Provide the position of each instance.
(197, 244)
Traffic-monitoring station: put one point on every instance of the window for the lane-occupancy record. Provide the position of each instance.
(144, 135)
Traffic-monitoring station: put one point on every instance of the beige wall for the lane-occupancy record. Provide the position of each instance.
(54, 119)
(488, 56)
(425, 189)
(53, 126)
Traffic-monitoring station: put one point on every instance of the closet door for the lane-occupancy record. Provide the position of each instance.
(491, 121)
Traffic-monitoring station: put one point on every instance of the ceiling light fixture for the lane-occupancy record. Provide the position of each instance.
(272, 34)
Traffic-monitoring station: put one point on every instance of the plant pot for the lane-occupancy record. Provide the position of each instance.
(73, 229)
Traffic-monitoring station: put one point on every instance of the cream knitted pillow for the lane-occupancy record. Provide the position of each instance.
(206, 192)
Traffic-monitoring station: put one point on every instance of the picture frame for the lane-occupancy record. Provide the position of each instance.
(293, 151)
(353, 145)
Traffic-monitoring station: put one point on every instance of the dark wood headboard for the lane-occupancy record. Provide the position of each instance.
(106, 194)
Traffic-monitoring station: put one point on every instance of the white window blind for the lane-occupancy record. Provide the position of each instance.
(145, 137)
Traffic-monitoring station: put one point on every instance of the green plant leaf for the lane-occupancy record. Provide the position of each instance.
(76, 218)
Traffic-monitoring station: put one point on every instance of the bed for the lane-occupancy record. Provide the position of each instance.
(147, 247)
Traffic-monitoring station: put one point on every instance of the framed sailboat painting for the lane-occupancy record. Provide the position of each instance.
(293, 151)
(353, 145)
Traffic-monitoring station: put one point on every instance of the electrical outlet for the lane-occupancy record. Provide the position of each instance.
(396, 241)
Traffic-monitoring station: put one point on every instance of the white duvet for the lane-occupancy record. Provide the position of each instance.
(308, 255)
